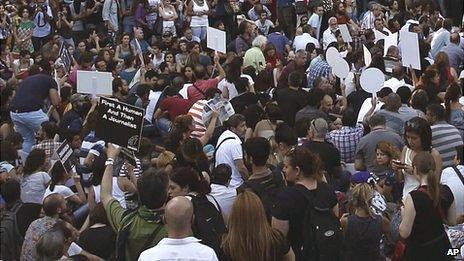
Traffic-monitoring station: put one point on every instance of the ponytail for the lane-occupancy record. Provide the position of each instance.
(57, 173)
(433, 187)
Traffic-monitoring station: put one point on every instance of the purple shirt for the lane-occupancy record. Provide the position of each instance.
(140, 14)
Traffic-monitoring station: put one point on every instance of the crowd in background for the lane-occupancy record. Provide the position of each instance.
(309, 166)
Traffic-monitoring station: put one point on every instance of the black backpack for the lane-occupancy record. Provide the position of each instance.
(267, 191)
(322, 233)
(209, 224)
(11, 239)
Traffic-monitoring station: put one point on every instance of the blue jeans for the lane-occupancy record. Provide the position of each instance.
(164, 126)
(27, 124)
(200, 32)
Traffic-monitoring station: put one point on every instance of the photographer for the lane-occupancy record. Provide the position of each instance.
(64, 24)
(42, 18)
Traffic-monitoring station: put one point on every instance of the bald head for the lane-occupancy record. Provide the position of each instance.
(455, 38)
(54, 205)
(178, 215)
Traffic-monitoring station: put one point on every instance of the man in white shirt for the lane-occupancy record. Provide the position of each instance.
(300, 41)
(451, 178)
(220, 189)
(180, 244)
(329, 34)
(368, 21)
(441, 38)
(229, 149)
(110, 15)
(316, 19)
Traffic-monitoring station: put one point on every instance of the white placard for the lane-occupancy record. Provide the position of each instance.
(341, 69)
(332, 56)
(378, 36)
(372, 80)
(367, 56)
(389, 41)
(345, 33)
(184, 91)
(95, 83)
(410, 50)
(216, 39)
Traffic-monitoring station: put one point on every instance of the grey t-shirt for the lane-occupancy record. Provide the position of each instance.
(33, 187)
(365, 149)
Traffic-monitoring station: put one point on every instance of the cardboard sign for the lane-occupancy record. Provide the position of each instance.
(341, 69)
(65, 57)
(64, 153)
(120, 123)
(367, 56)
(389, 41)
(345, 33)
(216, 39)
(95, 83)
(332, 56)
(372, 80)
(410, 50)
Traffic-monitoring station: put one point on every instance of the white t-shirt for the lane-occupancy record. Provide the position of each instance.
(225, 84)
(33, 187)
(450, 178)
(229, 151)
(300, 41)
(42, 28)
(314, 21)
(59, 189)
(188, 248)
(225, 196)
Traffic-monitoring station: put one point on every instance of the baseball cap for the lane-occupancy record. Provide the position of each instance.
(361, 177)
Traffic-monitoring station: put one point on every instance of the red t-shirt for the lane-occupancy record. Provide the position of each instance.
(175, 106)
(195, 94)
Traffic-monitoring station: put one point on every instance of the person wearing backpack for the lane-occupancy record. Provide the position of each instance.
(209, 224)
(263, 182)
(306, 213)
(180, 244)
(140, 229)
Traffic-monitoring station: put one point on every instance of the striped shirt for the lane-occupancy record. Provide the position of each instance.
(445, 139)
(196, 111)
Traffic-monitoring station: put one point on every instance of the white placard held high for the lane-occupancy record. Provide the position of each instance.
(216, 39)
(367, 56)
(389, 41)
(378, 35)
(345, 33)
(95, 83)
(410, 50)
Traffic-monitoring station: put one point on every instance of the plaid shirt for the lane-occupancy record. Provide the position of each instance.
(346, 139)
(49, 146)
(320, 68)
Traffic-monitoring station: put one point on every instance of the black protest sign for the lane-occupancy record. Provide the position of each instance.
(119, 123)
(65, 57)
(64, 153)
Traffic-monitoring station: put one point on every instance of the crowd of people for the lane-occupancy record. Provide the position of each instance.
(307, 167)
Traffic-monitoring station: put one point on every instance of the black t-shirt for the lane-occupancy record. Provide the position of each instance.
(242, 101)
(291, 206)
(32, 92)
(100, 241)
(328, 153)
(290, 102)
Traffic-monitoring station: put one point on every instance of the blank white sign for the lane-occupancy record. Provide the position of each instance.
(96, 83)
(410, 50)
(216, 39)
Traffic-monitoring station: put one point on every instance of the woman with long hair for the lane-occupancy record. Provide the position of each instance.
(303, 169)
(429, 83)
(250, 236)
(454, 110)
(34, 180)
(362, 227)
(64, 24)
(59, 177)
(168, 13)
(189, 76)
(423, 213)
(22, 31)
(233, 73)
(448, 74)
(190, 154)
(124, 49)
(418, 138)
